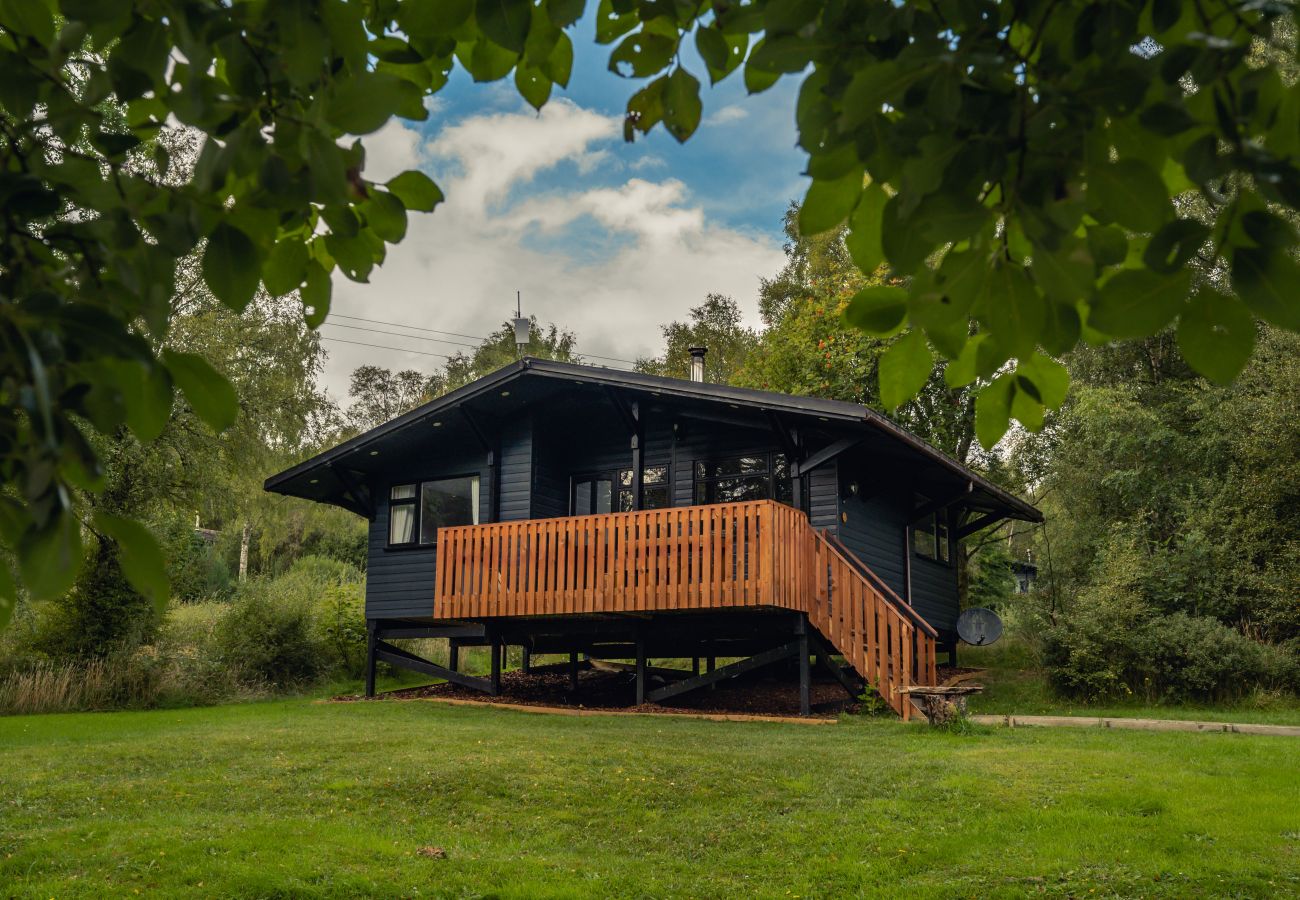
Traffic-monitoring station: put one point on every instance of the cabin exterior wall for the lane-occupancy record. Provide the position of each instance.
(873, 526)
(539, 455)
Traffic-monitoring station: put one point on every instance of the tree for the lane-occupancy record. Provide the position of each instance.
(500, 350)
(716, 325)
(380, 394)
(1013, 162)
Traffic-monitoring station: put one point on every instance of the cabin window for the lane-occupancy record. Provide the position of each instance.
(654, 488)
(930, 535)
(420, 509)
(612, 492)
(401, 514)
(759, 476)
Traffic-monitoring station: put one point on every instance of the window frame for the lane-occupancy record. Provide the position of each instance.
(939, 528)
(710, 482)
(417, 502)
(618, 489)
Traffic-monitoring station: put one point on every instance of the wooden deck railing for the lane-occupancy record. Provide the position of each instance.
(758, 553)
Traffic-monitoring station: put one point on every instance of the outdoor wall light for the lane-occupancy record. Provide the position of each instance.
(374, 452)
(315, 481)
(437, 424)
(505, 393)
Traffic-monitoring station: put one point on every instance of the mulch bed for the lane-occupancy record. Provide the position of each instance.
(767, 693)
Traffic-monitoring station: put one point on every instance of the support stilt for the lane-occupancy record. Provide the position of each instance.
(573, 670)
(453, 655)
(805, 672)
(695, 666)
(709, 664)
(640, 670)
(496, 648)
(370, 658)
(526, 660)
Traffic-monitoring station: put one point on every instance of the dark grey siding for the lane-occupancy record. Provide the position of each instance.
(399, 582)
(874, 529)
(823, 497)
(516, 471)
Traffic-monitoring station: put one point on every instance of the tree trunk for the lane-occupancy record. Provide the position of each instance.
(243, 553)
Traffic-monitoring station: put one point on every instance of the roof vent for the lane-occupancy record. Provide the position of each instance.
(697, 362)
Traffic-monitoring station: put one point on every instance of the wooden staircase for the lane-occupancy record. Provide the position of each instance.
(753, 554)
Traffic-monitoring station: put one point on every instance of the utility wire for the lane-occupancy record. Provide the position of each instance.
(413, 337)
(405, 349)
(474, 337)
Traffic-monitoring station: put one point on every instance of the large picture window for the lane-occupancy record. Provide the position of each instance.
(761, 476)
(417, 510)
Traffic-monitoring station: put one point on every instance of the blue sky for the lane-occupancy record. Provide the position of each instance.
(609, 239)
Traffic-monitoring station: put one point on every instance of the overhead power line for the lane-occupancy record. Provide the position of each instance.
(398, 349)
(473, 337)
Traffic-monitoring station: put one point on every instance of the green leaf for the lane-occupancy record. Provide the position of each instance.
(28, 17)
(1269, 282)
(1129, 192)
(285, 267)
(758, 79)
(416, 191)
(386, 216)
(364, 102)
(146, 394)
(904, 369)
(948, 217)
(231, 266)
(207, 391)
(1107, 244)
(1174, 244)
(1216, 335)
(315, 294)
(878, 310)
(1138, 303)
(1066, 273)
(533, 85)
(682, 104)
(721, 53)
(863, 238)
(559, 64)
(139, 556)
(905, 246)
(1051, 379)
(1016, 313)
(962, 370)
(564, 13)
(49, 557)
(610, 25)
(828, 203)
(642, 54)
(874, 85)
(993, 411)
(1025, 406)
(505, 22)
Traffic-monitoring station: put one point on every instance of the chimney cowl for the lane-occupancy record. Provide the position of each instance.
(697, 362)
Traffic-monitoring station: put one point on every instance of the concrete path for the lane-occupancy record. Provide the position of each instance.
(1138, 724)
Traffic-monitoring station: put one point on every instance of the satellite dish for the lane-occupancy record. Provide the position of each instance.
(979, 626)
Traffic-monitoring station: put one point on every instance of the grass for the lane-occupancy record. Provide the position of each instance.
(292, 798)
(1013, 683)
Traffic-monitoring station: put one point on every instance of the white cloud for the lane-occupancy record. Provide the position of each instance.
(612, 259)
(727, 115)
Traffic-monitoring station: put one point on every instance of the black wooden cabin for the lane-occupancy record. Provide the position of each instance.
(695, 520)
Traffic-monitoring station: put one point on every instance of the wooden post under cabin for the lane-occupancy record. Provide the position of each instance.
(805, 672)
(709, 663)
(526, 660)
(370, 658)
(640, 670)
(453, 655)
(573, 670)
(495, 648)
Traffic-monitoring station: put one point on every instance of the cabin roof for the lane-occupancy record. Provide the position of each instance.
(836, 415)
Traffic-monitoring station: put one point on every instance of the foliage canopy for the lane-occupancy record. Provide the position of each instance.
(1022, 168)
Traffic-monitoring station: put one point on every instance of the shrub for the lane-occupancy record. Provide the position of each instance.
(270, 637)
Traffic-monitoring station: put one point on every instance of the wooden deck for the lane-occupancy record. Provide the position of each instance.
(755, 554)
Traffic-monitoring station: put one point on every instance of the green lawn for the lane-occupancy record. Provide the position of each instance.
(1013, 684)
(300, 799)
